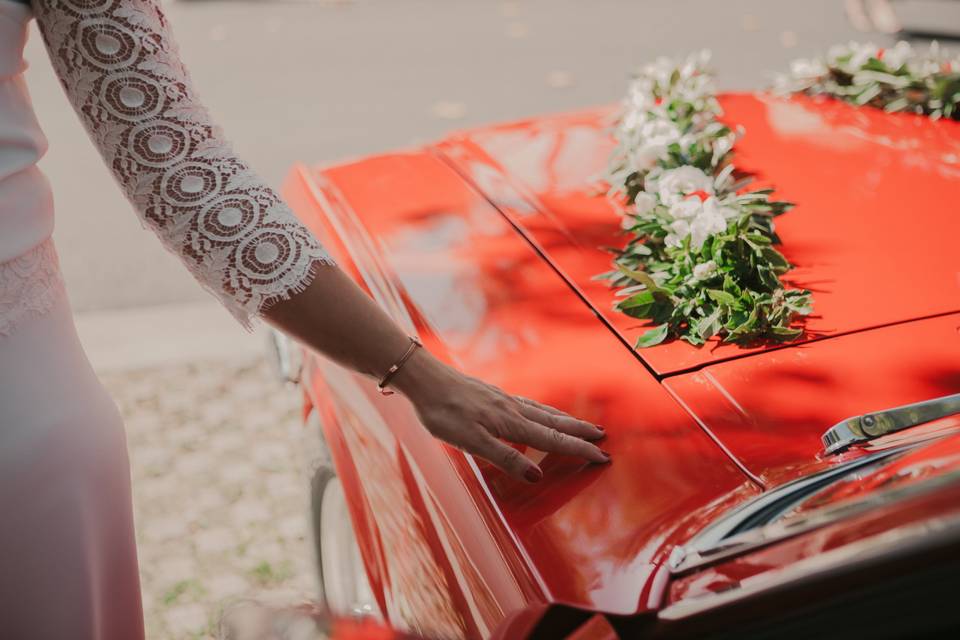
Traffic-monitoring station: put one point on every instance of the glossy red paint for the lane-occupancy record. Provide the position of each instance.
(448, 536)
(771, 409)
(876, 210)
(485, 246)
(768, 563)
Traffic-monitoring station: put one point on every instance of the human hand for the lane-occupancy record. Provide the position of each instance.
(475, 416)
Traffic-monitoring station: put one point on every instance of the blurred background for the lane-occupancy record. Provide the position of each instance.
(220, 499)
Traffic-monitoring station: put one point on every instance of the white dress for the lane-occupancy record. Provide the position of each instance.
(68, 565)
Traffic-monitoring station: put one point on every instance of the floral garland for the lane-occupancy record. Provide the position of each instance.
(701, 261)
(894, 79)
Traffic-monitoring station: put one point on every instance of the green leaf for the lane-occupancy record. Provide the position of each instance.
(786, 332)
(776, 259)
(636, 300)
(730, 286)
(643, 279)
(758, 238)
(710, 325)
(653, 337)
(721, 297)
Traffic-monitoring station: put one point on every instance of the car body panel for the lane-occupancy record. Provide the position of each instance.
(930, 507)
(449, 265)
(873, 233)
(771, 409)
(486, 245)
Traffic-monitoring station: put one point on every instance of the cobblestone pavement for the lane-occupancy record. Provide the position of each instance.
(220, 497)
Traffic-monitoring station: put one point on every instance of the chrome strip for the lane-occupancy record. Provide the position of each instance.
(879, 423)
(717, 541)
(881, 547)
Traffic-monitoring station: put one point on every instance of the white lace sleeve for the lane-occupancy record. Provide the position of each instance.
(120, 68)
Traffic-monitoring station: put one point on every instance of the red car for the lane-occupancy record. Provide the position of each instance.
(784, 490)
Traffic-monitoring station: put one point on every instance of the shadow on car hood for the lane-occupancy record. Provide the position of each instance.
(873, 234)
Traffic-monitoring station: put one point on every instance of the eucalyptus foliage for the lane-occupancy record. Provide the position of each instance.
(701, 260)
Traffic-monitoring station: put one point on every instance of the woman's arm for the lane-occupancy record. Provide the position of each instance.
(121, 70)
(461, 410)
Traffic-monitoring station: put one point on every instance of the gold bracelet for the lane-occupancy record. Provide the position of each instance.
(392, 371)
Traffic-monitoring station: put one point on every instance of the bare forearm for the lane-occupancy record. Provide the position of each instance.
(336, 318)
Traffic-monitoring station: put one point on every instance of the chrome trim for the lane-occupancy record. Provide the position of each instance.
(883, 547)
(719, 540)
(880, 423)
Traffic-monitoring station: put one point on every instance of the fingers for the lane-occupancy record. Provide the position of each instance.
(509, 460)
(553, 441)
(558, 420)
(540, 405)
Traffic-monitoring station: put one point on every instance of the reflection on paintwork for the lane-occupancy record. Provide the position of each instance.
(434, 245)
(923, 513)
(419, 597)
(873, 210)
(915, 466)
(834, 125)
(444, 249)
(594, 536)
(787, 398)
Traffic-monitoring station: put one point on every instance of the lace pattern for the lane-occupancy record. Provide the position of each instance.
(121, 70)
(29, 286)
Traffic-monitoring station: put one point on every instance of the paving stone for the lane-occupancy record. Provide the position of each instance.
(187, 619)
(248, 512)
(219, 490)
(293, 527)
(237, 472)
(219, 540)
(166, 528)
(225, 586)
(173, 569)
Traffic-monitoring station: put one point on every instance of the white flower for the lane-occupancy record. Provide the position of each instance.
(704, 269)
(708, 222)
(659, 70)
(807, 69)
(679, 229)
(898, 56)
(714, 206)
(686, 209)
(837, 51)
(860, 54)
(722, 145)
(674, 184)
(653, 138)
(697, 219)
(640, 96)
(644, 203)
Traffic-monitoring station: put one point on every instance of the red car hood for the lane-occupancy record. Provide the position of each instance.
(873, 235)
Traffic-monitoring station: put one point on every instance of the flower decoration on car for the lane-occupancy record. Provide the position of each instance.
(700, 261)
(899, 78)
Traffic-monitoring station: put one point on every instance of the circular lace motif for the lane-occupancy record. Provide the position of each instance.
(266, 254)
(229, 217)
(190, 183)
(107, 44)
(131, 96)
(159, 144)
(89, 6)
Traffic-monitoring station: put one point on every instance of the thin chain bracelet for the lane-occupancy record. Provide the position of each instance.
(392, 371)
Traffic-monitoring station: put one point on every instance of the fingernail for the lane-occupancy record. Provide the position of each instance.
(533, 474)
(600, 429)
(607, 454)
